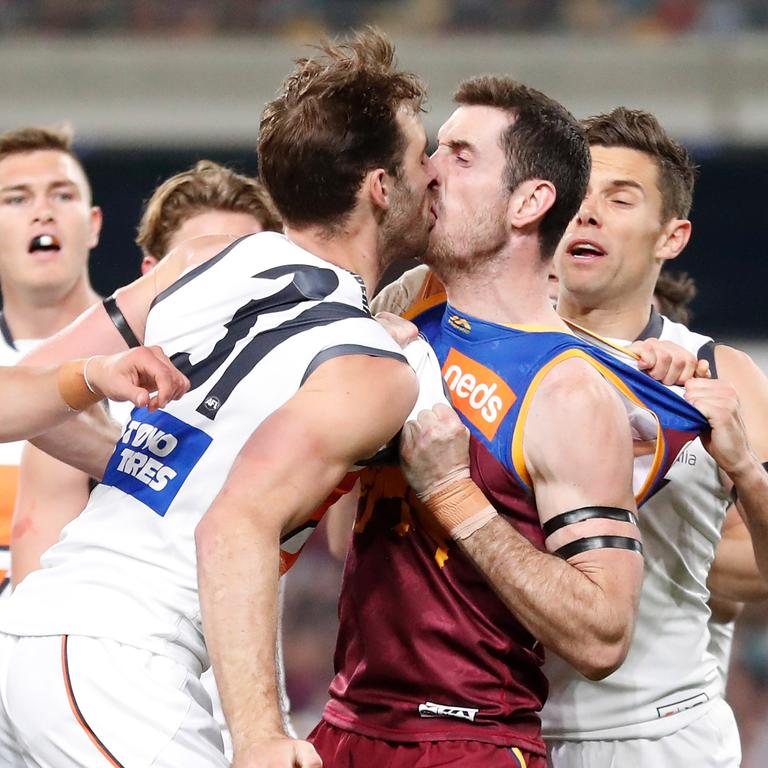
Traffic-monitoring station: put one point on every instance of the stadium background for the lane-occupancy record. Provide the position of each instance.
(150, 86)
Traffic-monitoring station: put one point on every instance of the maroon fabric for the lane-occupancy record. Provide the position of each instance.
(344, 749)
(426, 651)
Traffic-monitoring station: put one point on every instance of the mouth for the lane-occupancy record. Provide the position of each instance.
(44, 244)
(585, 250)
(432, 215)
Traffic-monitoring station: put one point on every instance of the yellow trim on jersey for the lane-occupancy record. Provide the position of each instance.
(534, 328)
(602, 340)
(519, 755)
(518, 457)
(422, 305)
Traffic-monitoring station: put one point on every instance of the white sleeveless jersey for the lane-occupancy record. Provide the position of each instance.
(720, 646)
(668, 677)
(247, 327)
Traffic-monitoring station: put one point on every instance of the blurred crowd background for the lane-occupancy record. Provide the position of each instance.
(702, 65)
(212, 17)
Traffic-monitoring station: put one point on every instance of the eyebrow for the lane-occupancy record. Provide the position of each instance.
(457, 145)
(624, 183)
(57, 184)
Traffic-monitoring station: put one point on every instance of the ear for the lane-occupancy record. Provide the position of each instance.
(94, 226)
(530, 201)
(378, 185)
(673, 239)
(148, 263)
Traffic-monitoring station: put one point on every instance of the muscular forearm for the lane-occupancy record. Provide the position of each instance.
(85, 442)
(560, 605)
(734, 575)
(238, 571)
(751, 484)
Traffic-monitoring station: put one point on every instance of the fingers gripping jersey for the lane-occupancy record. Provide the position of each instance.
(426, 650)
(247, 327)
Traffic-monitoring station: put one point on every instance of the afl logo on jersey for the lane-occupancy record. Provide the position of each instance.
(477, 392)
(460, 323)
(154, 457)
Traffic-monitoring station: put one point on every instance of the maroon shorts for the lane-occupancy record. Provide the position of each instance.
(344, 749)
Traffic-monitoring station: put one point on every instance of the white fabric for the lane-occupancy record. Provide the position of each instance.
(720, 645)
(58, 706)
(669, 678)
(712, 741)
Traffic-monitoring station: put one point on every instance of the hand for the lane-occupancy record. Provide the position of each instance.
(279, 752)
(134, 375)
(434, 450)
(727, 443)
(401, 330)
(668, 362)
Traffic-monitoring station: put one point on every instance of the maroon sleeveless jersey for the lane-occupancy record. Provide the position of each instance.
(426, 651)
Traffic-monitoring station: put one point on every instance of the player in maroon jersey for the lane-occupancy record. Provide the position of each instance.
(446, 603)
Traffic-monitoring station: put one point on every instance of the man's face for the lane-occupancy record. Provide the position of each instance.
(609, 250)
(472, 196)
(47, 223)
(404, 232)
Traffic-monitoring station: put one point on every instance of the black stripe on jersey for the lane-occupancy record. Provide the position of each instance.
(587, 513)
(195, 272)
(263, 343)
(598, 542)
(6, 331)
(348, 349)
(118, 319)
(654, 327)
(707, 352)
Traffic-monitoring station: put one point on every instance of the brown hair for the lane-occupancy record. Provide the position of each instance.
(544, 141)
(206, 186)
(38, 139)
(639, 130)
(674, 291)
(333, 122)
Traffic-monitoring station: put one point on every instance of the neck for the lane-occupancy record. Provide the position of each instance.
(618, 320)
(354, 250)
(510, 290)
(40, 314)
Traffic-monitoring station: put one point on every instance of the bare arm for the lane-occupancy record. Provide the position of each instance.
(578, 451)
(736, 405)
(50, 495)
(734, 575)
(339, 520)
(347, 409)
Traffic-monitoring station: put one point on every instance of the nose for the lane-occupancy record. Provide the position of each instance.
(43, 210)
(587, 213)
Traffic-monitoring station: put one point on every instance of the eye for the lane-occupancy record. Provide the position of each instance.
(13, 199)
(65, 195)
(621, 201)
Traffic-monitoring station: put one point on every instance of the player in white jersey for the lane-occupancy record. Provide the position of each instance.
(288, 370)
(664, 705)
(48, 225)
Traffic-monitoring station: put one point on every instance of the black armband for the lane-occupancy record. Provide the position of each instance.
(587, 513)
(735, 493)
(119, 321)
(598, 542)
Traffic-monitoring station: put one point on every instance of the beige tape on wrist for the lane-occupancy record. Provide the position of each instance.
(461, 508)
(74, 389)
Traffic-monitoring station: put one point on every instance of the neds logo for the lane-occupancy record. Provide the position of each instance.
(477, 392)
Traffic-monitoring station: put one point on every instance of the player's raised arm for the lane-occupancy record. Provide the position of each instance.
(347, 409)
(579, 599)
(736, 405)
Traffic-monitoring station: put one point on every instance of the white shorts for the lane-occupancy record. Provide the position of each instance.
(712, 741)
(81, 702)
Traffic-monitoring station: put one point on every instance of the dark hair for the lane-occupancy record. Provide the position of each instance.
(39, 139)
(544, 141)
(674, 291)
(206, 186)
(334, 121)
(639, 130)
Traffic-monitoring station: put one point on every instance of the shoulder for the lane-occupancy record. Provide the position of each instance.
(399, 295)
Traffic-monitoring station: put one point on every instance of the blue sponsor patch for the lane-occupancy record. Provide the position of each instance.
(154, 457)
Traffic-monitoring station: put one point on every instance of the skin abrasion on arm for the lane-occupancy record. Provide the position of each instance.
(348, 408)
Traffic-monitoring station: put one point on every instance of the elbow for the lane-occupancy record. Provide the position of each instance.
(604, 654)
